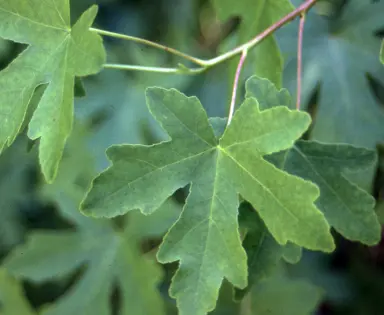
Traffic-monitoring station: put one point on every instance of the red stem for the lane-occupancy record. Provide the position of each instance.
(236, 84)
(300, 60)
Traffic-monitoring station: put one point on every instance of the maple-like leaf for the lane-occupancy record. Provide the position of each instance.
(12, 300)
(111, 257)
(205, 238)
(57, 53)
(338, 53)
(256, 16)
(348, 208)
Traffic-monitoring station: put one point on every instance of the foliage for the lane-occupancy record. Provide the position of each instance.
(330, 63)
(114, 259)
(348, 208)
(12, 299)
(56, 54)
(264, 14)
(193, 214)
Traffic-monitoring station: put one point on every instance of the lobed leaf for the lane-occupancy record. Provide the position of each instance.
(112, 258)
(348, 208)
(57, 53)
(205, 238)
(347, 111)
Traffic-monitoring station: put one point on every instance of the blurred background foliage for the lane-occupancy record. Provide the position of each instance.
(38, 220)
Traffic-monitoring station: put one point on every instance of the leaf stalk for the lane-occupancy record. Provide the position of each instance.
(204, 64)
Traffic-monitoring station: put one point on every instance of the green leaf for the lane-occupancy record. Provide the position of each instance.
(112, 257)
(205, 238)
(57, 53)
(12, 299)
(280, 295)
(292, 253)
(382, 52)
(156, 224)
(347, 110)
(262, 250)
(267, 94)
(256, 16)
(348, 208)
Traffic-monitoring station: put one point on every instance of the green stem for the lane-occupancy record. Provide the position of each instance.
(152, 44)
(154, 69)
(235, 86)
(205, 64)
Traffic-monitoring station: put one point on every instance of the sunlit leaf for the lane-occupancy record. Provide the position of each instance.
(205, 238)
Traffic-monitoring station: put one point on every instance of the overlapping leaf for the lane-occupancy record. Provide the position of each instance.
(348, 208)
(280, 295)
(12, 300)
(111, 257)
(256, 16)
(205, 238)
(262, 250)
(338, 53)
(57, 53)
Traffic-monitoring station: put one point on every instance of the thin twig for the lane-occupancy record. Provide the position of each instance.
(153, 69)
(300, 59)
(235, 85)
(206, 64)
(150, 43)
(304, 7)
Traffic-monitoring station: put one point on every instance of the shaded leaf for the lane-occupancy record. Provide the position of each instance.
(262, 250)
(111, 257)
(292, 253)
(280, 295)
(382, 52)
(348, 208)
(256, 16)
(339, 52)
(12, 299)
(157, 223)
(57, 53)
(205, 238)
